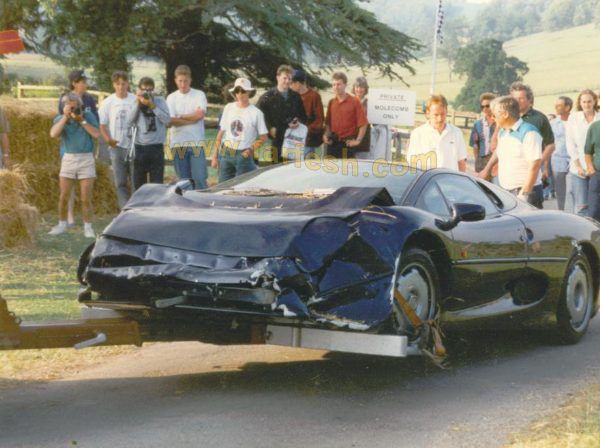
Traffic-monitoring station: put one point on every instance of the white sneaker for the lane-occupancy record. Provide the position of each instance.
(58, 229)
(88, 232)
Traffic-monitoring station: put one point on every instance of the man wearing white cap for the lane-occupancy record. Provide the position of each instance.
(242, 130)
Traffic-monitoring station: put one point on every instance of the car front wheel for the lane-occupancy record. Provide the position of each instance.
(416, 278)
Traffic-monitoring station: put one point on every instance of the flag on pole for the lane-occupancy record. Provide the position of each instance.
(10, 42)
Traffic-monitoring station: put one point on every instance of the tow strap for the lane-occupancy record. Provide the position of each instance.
(430, 326)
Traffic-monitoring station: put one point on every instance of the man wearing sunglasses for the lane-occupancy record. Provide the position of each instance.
(242, 130)
(481, 139)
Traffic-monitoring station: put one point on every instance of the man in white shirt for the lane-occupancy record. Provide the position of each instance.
(114, 128)
(437, 144)
(244, 130)
(188, 107)
(519, 153)
(560, 157)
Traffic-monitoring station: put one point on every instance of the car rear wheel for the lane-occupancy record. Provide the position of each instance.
(576, 300)
(417, 280)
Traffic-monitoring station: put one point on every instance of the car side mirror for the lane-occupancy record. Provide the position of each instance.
(462, 212)
(184, 185)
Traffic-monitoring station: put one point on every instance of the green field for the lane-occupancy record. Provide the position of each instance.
(560, 63)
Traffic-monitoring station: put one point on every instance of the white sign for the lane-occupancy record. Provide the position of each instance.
(389, 106)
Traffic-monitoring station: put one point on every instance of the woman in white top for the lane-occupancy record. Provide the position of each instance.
(576, 130)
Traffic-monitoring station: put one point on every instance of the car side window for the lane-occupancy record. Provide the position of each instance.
(457, 189)
(431, 199)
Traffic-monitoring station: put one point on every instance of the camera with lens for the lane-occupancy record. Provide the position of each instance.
(147, 95)
(76, 111)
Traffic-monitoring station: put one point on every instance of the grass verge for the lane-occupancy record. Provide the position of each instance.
(575, 425)
(40, 284)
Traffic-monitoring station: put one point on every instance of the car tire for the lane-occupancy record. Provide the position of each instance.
(576, 302)
(416, 277)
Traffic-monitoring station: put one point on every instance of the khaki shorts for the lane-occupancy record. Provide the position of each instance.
(78, 166)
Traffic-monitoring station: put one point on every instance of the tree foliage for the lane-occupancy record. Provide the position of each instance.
(488, 69)
(218, 39)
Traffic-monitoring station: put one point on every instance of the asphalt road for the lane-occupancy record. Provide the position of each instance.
(192, 394)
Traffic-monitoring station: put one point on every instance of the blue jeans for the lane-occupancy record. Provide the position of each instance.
(231, 166)
(191, 167)
(594, 196)
(122, 171)
(576, 200)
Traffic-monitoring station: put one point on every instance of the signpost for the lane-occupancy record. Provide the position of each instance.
(392, 107)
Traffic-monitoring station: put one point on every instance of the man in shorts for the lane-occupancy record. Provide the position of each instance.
(77, 129)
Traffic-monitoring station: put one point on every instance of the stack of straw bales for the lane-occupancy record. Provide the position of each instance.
(18, 220)
(37, 157)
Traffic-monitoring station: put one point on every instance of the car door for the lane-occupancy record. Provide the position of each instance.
(487, 256)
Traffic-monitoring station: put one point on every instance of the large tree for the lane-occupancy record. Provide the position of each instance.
(488, 69)
(218, 39)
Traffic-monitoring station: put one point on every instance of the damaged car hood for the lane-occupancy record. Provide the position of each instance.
(231, 224)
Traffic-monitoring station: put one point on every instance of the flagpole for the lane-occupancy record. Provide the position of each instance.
(436, 31)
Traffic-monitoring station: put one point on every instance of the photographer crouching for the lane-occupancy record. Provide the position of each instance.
(149, 117)
(77, 130)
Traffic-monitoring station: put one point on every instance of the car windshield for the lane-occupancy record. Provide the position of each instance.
(314, 178)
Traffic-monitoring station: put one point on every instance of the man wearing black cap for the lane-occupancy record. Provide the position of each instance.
(313, 106)
(78, 85)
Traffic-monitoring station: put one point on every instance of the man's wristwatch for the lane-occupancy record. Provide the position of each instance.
(83, 122)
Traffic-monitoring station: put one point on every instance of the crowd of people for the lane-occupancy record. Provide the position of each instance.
(521, 149)
(514, 145)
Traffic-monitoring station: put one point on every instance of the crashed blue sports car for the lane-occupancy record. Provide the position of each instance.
(350, 246)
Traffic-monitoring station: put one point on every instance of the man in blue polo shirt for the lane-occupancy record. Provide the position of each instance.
(519, 153)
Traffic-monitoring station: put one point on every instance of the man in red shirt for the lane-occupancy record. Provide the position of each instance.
(314, 111)
(346, 121)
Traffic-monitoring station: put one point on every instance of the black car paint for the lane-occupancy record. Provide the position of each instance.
(327, 261)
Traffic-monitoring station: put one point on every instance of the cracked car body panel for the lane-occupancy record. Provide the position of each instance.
(330, 260)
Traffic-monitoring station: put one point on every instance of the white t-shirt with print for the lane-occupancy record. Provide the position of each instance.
(242, 125)
(113, 113)
(183, 104)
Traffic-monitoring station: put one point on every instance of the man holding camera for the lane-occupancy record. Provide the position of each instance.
(114, 128)
(346, 122)
(77, 130)
(150, 117)
(283, 108)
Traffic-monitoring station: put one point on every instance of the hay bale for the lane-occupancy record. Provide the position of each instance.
(13, 188)
(104, 198)
(43, 188)
(18, 220)
(18, 225)
(30, 139)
